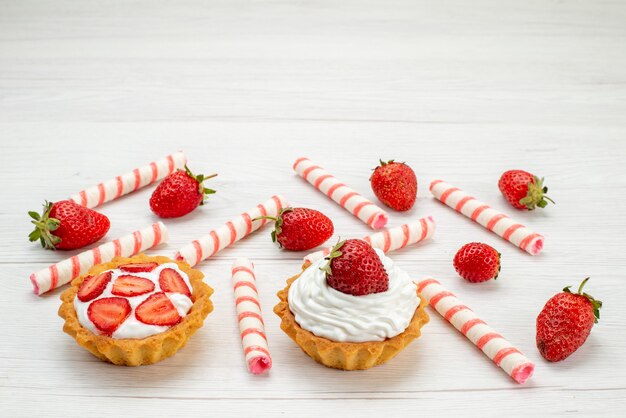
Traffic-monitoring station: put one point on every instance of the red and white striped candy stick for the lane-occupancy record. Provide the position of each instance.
(131, 181)
(251, 324)
(232, 231)
(495, 221)
(502, 352)
(322, 180)
(391, 239)
(67, 270)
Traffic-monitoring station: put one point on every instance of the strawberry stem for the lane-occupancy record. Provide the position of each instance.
(272, 218)
(278, 223)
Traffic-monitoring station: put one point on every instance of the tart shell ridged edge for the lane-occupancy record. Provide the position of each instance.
(346, 355)
(149, 350)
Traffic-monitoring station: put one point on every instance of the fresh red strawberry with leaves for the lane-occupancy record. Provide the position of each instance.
(394, 184)
(139, 267)
(179, 193)
(299, 229)
(107, 314)
(477, 262)
(129, 285)
(172, 282)
(93, 286)
(354, 268)
(565, 322)
(523, 190)
(66, 225)
(158, 309)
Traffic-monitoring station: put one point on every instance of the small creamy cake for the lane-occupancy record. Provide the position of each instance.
(348, 331)
(134, 311)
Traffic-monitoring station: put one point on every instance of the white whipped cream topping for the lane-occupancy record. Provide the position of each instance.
(328, 313)
(132, 327)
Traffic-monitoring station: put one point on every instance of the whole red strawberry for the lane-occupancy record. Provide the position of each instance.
(395, 185)
(354, 268)
(179, 193)
(565, 322)
(477, 262)
(74, 226)
(523, 190)
(299, 229)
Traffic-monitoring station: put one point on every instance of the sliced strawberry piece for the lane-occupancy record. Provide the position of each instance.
(171, 282)
(129, 285)
(139, 267)
(107, 314)
(158, 309)
(93, 286)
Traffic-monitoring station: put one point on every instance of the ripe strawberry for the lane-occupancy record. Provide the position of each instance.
(139, 267)
(129, 285)
(395, 185)
(93, 286)
(171, 282)
(477, 262)
(157, 310)
(179, 193)
(299, 229)
(74, 226)
(565, 322)
(107, 314)
(354, 268)
(523, 190)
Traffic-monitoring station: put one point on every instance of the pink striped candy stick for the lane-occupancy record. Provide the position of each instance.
(131, 181)
(251, 324)
(67, 270)
(232, 231)
(502, 352)
(391, 239)
(493, 220)
(322, 180)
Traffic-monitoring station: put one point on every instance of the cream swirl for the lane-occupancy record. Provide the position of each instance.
(328, 313)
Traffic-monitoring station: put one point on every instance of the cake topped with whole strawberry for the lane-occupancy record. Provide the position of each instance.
(353, 309)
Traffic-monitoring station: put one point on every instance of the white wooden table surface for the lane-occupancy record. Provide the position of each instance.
(89, 90)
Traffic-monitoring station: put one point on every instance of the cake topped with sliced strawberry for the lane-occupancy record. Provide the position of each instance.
(134, 300)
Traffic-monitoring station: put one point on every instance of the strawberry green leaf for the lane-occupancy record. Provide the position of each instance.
(35, 235)
(334, 253)
(44, 225)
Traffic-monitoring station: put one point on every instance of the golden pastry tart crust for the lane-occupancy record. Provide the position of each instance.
(346, 355)
(149, 350)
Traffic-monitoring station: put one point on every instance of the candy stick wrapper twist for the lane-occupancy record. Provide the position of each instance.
(67, 270)
(232, 231)
(495, 221)
(499, 350)
(391, 239)
(251, 325)
(131, 181)
(350, 200)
